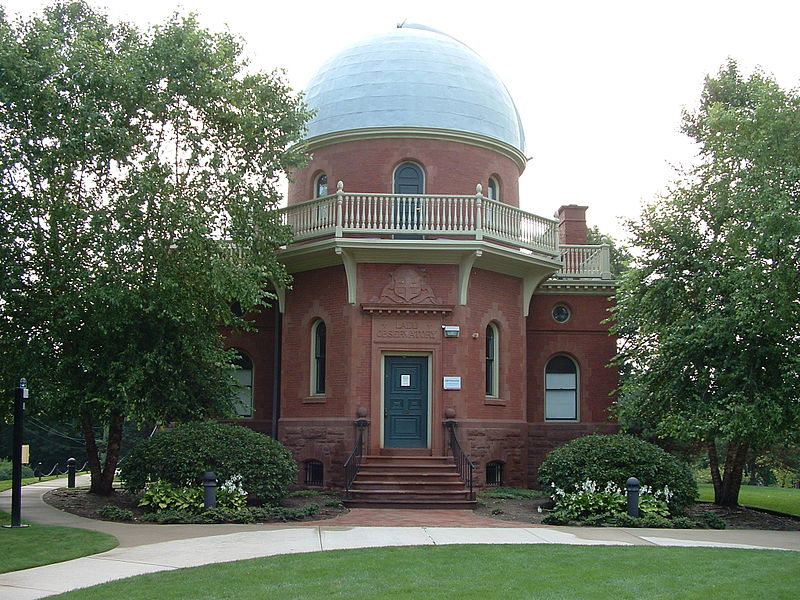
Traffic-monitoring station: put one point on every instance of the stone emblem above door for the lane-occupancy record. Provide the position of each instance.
(408, 286)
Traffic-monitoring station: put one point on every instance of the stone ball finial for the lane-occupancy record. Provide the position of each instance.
(450, 412)
(478, 189)
(361, 412)
(340, 186)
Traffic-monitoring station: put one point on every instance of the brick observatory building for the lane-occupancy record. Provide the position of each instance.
(424, 301)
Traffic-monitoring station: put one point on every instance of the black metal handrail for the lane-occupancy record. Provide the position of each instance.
(464, 465)
(353, 462)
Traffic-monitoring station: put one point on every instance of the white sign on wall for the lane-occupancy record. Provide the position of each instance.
(452, 383)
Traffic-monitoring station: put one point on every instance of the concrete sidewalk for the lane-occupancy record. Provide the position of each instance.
(151, 548)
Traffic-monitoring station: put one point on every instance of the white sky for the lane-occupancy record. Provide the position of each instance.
(600, 85)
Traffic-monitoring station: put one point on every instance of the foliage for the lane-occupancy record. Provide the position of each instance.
(6, 469)
(164, 496)
(115, 513)
(712, 520)
(181, 455)
(508, 493)
(710, 314)
(249, 514)
(592, 505)
(615, 458)
(132, 164)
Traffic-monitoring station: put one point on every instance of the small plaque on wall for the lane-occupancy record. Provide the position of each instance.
(452, 383)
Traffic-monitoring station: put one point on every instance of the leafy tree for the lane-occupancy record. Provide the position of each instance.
(132, 163)
(711, 311)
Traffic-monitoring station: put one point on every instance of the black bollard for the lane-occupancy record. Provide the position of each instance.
(632, 487)
(209, 490)
(38, 472)
(71, 472)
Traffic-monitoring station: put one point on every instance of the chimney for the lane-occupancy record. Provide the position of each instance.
(572, 224)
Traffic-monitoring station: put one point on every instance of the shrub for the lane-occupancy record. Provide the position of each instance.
(180, 456)
(6, 470)
(615, 458)
(711, 520)
(115, 513)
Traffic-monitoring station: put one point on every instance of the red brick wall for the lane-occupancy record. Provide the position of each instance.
(368, 166)
(259, 346)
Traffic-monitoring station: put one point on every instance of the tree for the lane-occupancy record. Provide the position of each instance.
(621, 257)
(711, 311)
(138, 174)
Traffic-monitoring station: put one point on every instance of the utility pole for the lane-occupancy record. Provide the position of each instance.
(20, 395)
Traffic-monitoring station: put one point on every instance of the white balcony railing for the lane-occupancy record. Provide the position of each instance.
(475, 216)
(586, 261)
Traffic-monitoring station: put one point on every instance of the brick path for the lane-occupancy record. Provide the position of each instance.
(387, 517)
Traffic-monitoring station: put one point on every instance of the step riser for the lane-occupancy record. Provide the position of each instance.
(466, 505)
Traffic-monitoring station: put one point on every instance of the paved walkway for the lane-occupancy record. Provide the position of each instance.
(151, 548)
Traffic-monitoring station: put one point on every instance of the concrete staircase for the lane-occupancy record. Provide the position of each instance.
(408, 482)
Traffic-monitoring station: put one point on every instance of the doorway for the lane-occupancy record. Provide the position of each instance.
(405, 402)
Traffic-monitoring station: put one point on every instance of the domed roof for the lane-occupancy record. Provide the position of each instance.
(412, 77)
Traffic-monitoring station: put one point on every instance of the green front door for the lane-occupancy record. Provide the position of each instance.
(405, 402)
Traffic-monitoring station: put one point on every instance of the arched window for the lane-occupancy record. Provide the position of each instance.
(318, 353)
(493, 189)
(492, 366)
(494, 473)
(243, 375)
(561, 390)
(314, 472)
(408, 179)
(321, 185)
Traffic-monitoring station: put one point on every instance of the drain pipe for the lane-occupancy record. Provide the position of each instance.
(276, 368)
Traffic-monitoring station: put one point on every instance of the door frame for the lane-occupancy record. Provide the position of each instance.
(429, 429)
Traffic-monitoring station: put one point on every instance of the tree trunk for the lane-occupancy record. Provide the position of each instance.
(112, 454)
(92, 452)
(102, 475)
(713, 465)
(734, 467)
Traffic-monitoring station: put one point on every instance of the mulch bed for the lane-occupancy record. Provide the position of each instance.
(80, 502)
(525, 511)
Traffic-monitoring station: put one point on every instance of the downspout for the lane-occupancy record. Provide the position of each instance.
(276, 370)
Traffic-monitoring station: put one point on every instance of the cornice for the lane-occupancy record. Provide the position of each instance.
(449, 135)
(577, 286)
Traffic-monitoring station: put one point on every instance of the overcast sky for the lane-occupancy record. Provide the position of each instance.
(600, 85)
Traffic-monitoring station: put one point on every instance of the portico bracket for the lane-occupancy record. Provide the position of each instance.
(280, 293)
(464, 271)
(530, 282)
(351, 272)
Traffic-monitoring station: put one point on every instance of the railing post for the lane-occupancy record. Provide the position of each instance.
(339, 208)
(605, 271)
(478, 213)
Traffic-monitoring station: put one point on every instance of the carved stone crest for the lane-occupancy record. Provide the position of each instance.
(408, 286)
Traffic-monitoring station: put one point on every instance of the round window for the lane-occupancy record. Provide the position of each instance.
(561, 313)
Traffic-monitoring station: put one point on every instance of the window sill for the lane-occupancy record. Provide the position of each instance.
(315, 400)
(494, 401)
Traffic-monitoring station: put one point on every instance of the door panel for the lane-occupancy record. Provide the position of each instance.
(405, 401)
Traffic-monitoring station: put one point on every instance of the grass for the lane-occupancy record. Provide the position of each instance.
(479, 572)
(5, 484)
(784, 500)
(46, 544)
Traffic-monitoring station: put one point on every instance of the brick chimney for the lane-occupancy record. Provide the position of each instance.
(572, 224)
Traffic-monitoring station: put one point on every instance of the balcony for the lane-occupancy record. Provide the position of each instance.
(394, 216)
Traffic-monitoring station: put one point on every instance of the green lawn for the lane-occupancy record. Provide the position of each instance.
(45, 544)
(5, 484)
(785, 500)
(479, 572)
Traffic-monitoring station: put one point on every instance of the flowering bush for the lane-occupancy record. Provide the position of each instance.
(591, 503)
(164, 496)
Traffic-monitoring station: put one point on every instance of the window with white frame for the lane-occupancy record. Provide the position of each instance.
(320, 185)
(492, 366)
(493, 189)
(243, 375)
(318, 355)
(561, 389)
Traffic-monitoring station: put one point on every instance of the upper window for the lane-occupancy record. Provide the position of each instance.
(493, 189)
(243, 375)
(318, 358)
(561, 390)
(492, 345)
(561, 313)
(321, 185)
(409, 179)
